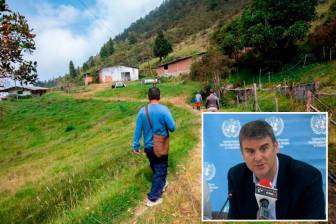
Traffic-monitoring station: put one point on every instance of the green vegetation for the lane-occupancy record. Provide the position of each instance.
(162, 47)
(107, 49)
(322, 40)
(270, 29)
(16, 41)
(72, 70)
(185, 23)
(182, 18)
(266, 101)
(137, 90)
(66, 160)
(325, 73)
(212, 68)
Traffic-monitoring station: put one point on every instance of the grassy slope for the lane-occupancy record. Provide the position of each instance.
(322, 73)
(136, 90)
(325, 73)
(73, 159)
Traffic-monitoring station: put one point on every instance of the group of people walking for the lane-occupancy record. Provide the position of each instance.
(211, 102)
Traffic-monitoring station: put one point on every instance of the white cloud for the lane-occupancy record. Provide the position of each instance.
(49, 17)
(67, 33)
(55, 48)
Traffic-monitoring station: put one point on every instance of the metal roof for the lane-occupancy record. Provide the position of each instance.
(180, 59)
(33, 88)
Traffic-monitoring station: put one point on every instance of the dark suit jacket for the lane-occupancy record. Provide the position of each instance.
(300, 194)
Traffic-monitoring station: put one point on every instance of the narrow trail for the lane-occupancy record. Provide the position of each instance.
(95, 88)
(182, 200)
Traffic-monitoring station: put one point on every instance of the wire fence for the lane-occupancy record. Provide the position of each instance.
(306, 94)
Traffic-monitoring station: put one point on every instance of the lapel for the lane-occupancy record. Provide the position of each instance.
(249, 202)
(283, 183)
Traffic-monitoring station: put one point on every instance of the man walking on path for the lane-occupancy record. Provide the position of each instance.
(212, 102)
(198, 101)
(162, 123)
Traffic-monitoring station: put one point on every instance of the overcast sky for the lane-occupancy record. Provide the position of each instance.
(75, 29)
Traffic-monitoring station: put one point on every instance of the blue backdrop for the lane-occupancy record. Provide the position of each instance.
(300, 135)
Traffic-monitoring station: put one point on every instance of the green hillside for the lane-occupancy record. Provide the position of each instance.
(186, 23)
(136, 90)
(66, 157)
(67, 160)
(325, 73)
(181, 18)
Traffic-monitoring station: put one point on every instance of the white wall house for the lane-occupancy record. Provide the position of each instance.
(118, 73)
(22, 91)
(3, 94)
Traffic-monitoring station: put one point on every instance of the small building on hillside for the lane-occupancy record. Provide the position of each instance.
(118, 73)
(3, 95)
(178, 66)
(88, 79)
(22, 91)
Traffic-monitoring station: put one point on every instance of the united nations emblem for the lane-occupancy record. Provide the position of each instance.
(231, 128)
(277, 124)
(318, 124)
(209, 171)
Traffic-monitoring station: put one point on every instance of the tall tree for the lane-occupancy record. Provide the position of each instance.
(85, 67)
(132, 38)
(107, 49)
(91, 61)
(211, 68)
(103, 52)
(16, 39)
(78, 71)
(72, 70)
(323, 40)
(162, 47)
(110, 47)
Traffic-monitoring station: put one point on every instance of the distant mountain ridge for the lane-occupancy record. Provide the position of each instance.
(189, 15)
(178, 19)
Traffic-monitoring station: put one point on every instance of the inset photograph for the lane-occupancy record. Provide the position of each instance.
(267, 166)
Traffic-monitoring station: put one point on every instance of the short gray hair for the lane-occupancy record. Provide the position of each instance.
(257, 129)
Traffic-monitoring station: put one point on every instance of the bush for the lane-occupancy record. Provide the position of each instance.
(69, 128)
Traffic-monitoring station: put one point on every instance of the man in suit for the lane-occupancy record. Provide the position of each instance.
(299, 185)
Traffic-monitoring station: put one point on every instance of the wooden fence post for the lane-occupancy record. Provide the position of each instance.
(309, 96)
(256, 106)
(305, 60)
(260, 79)
(245, 96)
(276, 104)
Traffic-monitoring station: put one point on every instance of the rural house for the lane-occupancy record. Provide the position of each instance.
(22, 91)
(118, 73)
(88, 79)
(178, 66)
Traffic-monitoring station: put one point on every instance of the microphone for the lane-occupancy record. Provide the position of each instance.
(226, 201)
(265, 196)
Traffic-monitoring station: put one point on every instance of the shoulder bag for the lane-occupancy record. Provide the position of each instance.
(160, 143)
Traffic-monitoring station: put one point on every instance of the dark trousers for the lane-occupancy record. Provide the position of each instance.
(159, 167)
